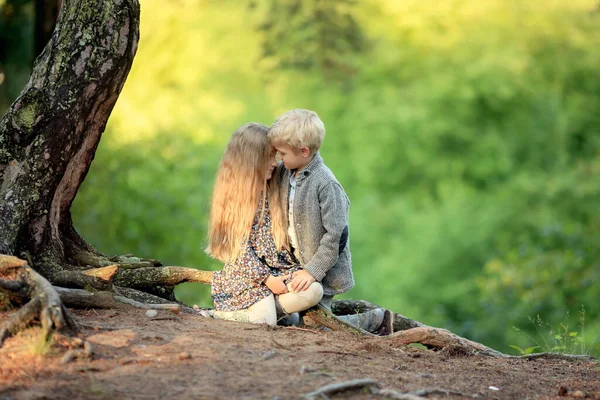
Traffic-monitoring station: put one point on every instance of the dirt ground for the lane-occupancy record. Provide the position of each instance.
(192, 357)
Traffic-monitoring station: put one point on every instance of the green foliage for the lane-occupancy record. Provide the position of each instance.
(465, 132)
(311, 35)
(562, 339)
(16, 48)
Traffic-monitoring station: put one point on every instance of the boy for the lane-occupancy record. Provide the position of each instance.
(317, 205)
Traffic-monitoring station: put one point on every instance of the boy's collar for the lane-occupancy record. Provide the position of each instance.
(315, 163)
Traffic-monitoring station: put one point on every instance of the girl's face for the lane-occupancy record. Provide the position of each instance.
(271, 163)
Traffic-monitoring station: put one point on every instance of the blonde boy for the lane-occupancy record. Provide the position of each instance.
(317, 205)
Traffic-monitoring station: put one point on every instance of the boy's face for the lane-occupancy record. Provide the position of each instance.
(293, 158)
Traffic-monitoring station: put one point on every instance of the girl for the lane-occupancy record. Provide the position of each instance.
(248, 232)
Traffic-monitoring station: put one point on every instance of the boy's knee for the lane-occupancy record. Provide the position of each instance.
(314, 293)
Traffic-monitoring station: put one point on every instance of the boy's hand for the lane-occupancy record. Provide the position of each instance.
(302, 280)
(276, 284)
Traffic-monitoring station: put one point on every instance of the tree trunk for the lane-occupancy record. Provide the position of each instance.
(49, 135)
(48, 138)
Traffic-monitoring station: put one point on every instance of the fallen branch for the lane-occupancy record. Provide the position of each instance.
(342, 386)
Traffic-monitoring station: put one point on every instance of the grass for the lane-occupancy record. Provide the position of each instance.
(561, 339)
(39, 344)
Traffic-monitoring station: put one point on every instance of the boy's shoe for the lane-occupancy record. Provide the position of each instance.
(370, 320)
(387, 325)
(292, 319)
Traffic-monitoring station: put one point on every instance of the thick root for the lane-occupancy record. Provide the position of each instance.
(9, 262)
(44, 304)
(348, 307)
(105, 273)
(144, 278)
(441, 338)
(320, 315)
(79, 298)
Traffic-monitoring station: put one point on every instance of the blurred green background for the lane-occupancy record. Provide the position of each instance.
(465, 132)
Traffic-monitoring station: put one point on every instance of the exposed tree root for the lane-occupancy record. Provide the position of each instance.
(346, 307)
(134, 284)
(441, 338)
(144, 278)
(105, 273)
(320, 315)
(68, 278)
(44, 303)
(9, 262)
(421, 393)
(79, 298)
(341, 387)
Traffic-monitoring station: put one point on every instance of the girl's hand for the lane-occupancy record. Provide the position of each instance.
(276, 284)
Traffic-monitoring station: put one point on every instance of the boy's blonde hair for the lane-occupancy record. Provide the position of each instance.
(240, 186)
(298, 128)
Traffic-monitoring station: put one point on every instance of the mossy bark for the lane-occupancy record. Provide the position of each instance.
(49, 135)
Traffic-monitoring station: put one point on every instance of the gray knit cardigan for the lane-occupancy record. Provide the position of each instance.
(321, 217)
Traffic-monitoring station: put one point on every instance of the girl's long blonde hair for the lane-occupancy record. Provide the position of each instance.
(240, 186)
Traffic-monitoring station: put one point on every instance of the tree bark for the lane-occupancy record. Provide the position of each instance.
(49, 135)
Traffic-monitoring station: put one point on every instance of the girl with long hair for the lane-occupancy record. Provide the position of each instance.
(248, 232)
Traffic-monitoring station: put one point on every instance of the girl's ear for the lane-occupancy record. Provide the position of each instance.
(305, 151)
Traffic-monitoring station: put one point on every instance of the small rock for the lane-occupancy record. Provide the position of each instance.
(151, 313)
(195, 307)
(578, 394)
(184, 355)
(269, 354)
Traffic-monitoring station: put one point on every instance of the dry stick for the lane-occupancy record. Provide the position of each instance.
(557, 356)
(343, 353)
(295, 328)
(339, 387)
(429, 391)
(392, 394)
(278, 344)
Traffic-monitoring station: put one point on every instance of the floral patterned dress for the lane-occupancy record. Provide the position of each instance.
(240, 284)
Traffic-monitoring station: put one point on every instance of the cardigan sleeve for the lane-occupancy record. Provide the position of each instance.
(334, 206)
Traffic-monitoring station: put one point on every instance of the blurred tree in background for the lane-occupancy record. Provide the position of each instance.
(466, 133)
